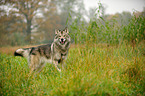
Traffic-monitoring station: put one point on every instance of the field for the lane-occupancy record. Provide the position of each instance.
(107, 57)
(91, 70)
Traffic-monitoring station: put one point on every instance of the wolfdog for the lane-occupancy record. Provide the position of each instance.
(54, 53)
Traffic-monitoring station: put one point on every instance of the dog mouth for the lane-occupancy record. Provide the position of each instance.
(62, 41)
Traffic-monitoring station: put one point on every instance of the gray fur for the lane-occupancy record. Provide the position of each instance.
(54, 53)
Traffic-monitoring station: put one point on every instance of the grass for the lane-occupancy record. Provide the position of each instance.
(91, 70)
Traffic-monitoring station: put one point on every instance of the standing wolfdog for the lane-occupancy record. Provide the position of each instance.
(54, 53)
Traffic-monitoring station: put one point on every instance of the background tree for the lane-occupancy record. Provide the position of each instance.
(27, 9)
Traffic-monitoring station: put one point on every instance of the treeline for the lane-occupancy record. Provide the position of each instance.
(34, 21)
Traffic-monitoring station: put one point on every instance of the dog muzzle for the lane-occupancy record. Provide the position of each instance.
(62, 40)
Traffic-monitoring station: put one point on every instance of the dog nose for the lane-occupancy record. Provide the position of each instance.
(62, 39)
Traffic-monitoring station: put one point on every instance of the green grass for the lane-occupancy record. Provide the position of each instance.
(90, 71)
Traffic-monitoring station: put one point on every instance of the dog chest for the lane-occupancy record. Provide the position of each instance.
(59, 56)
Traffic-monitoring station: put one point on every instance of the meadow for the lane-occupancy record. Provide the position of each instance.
(107, 57)
(92, 69)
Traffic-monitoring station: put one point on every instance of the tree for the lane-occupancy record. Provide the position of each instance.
(48, 23)
(28, 9)
(69, 10)
(9, 28)
(3, 32)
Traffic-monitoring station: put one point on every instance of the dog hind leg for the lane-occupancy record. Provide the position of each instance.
(34, 63)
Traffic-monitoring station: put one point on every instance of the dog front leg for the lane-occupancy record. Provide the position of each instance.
(62, 63)
(56, 65)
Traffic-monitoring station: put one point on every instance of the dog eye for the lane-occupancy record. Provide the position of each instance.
(57, 36)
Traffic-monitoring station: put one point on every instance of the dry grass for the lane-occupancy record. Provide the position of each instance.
(10, 50)
(91, 70)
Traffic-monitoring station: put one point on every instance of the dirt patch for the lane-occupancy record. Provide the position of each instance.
(10, 50)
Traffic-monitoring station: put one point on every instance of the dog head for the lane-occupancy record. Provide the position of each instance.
(62, 36)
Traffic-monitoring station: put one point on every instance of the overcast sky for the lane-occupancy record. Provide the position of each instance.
(114, 6)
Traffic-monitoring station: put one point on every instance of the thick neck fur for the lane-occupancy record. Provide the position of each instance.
(61, 48)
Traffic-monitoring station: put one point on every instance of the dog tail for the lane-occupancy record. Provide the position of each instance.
(23, 52)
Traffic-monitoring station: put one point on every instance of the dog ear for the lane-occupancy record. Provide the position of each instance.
(56, 31)
(66, 30)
